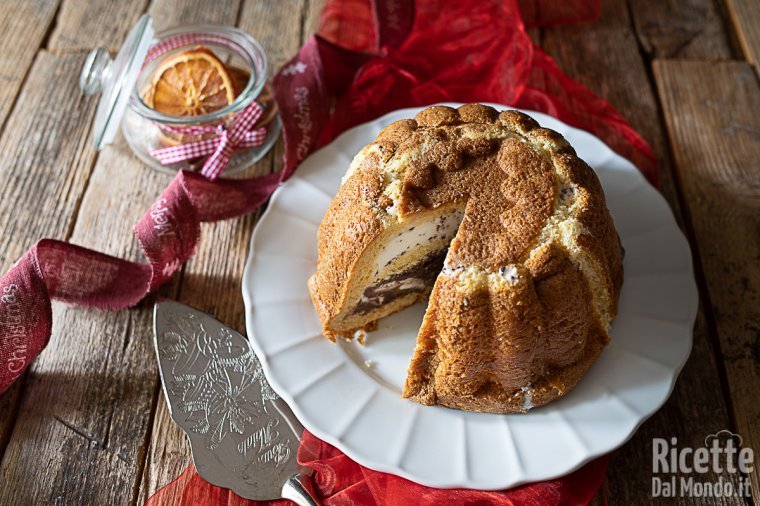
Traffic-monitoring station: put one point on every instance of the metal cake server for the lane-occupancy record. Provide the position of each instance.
(242, 435)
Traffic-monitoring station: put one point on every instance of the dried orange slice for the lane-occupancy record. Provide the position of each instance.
(191, 83)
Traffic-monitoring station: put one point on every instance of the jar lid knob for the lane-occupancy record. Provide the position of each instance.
(115, 79)
(95, 72)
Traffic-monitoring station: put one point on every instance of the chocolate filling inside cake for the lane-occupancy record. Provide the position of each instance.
(417, 279)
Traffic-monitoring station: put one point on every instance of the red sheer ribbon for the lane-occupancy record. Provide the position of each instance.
(340, 481)
(369, 58)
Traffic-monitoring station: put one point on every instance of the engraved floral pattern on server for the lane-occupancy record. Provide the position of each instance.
(222, 390)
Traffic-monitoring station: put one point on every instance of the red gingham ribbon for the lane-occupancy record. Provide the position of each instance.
(220, 147)
(184, 39)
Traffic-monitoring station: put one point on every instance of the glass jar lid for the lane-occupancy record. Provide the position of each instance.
(115, 79)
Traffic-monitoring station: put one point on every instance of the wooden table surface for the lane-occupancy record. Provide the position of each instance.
(88, 423)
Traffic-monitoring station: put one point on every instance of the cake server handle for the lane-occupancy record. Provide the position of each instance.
(300, 490)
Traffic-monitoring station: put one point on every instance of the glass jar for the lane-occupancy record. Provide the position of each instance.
(124, 82)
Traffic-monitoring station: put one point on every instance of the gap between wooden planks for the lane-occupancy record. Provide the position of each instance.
(745, 15)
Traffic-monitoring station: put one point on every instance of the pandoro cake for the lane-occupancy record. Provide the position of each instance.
(506, 230)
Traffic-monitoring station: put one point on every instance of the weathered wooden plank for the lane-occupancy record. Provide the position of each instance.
(45, 161)
(88, 400)
(45, 156)
(745, 15)
(313, 12)
(681, 29)
(23, 26)
(167, 14)
(212, 279)
(9, 402)
(279, 26)
(711, 113)
(171, 13)
(168, 455)
(85, 24)
(620, 76)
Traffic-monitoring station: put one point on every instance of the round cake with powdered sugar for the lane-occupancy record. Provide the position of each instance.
(507, 231)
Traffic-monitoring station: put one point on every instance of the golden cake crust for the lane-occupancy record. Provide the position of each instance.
(531, 279)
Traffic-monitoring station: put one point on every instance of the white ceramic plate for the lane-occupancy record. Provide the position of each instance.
(349, 395)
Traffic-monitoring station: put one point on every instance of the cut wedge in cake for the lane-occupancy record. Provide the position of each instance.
(397, 269)
(508, 232)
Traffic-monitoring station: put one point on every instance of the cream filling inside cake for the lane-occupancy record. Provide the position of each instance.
(408, 239)
(401, 266)
(409, 259)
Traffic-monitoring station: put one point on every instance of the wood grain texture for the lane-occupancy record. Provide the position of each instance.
(313, 12)
(279, 26)
(87, 24)
(45, 161)
(711, 114)
(171, 13)
(620, 76)
(88, 400)
(681, 29)
(120, 428)
(212, 279)
(45, 156)
(23, 26)
(745, 15)
(165, 14)
(9, 401)
(168, 454)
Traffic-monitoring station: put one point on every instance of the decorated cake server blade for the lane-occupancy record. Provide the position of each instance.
(242, 435)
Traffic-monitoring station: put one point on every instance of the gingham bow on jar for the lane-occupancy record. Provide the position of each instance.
(239, 135)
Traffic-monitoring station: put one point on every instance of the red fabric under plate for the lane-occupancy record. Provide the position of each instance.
(473, 51)
(340, 481)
